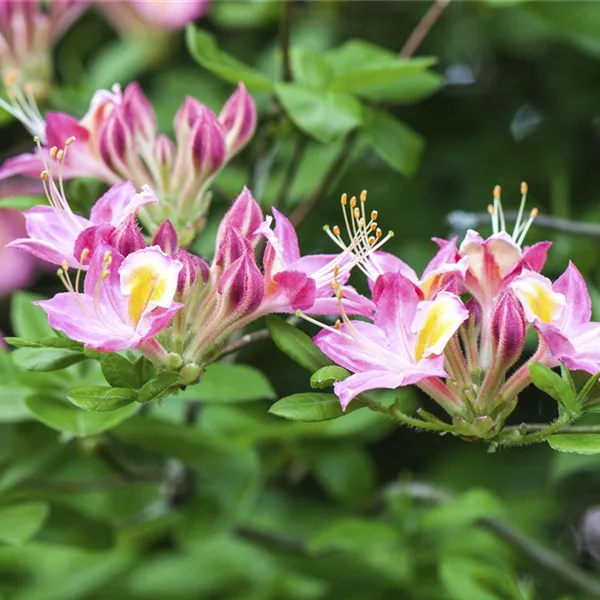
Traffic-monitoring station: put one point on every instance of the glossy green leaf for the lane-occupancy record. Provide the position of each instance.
(12, 405)
(394, 142)
(227, 382)
(552, 384)
(159, 386)
(324, 115)
(46, 359)
(28, 320)
(203, 48)
(47, 342)
(119, 371)
(310, 68)
(101, 398)
(310, 407)
(65, 417)
(296, 344)
(468, 579)
(580, 443)
(20, 522)
(326, 376)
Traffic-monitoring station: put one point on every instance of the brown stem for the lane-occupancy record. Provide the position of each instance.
(422, 29)
(249, 338)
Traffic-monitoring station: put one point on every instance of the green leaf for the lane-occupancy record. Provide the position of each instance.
(19, 523)
(158, 386)
(12, 406)
(467, 579)
(204, 50)
(580, 443)
(65, 417)
(552, 384)
(119, 371)
(48, 342)
(394, 142)
(296, 344)
(353, 534)
(99, 398)
(310, 407)
(346, 472)
(29, 320)
(324, 115)
(310, 68)
(46, 359)
(589, 393)
(327, 376)
(224, 382)
(22, 202)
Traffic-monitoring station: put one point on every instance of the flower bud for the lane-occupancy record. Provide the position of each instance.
(127, 237)
(166, 237)
(115, 142)
(88, 240)
(231, 247)
(138, 112)
(241, 286)
(164, 151)
(193, 266)
(507, 331)
(238, 118)
(245, 215)
(207, 145)
(188, 115)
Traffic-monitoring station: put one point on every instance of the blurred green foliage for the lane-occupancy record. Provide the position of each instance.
(207, 495)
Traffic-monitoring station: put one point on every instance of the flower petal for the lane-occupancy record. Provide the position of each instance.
(361, 382)
(119, 202)
(578, 308)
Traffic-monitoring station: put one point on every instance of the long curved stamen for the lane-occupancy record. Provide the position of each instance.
(23, 106)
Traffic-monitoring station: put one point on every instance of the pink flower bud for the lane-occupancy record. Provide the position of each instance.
(138, 111)
(241, 286)
(164, 151)
(166, 237)
(207, 144)
(115, 141)
(231, 247)
(127, 237)
(193, 266)
(188, 115)
(507, 331)
(88, 241)
(245, 215)
(238, 118)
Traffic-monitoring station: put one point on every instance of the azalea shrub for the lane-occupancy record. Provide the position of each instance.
(228, 379)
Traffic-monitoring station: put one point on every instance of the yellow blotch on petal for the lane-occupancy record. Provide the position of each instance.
(146, 286)
(543, 303)
(439, 325)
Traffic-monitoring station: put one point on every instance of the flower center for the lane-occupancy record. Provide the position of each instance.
(145, 286)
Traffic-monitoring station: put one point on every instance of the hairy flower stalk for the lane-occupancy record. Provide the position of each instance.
(419, 332)
(118, 140)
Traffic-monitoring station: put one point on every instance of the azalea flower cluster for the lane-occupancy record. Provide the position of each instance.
(118, 140)
(155, 295)
(458, 331)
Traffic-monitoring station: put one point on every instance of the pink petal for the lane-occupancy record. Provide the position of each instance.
(535, 256)
(296, 291)
(30, 165)
(119, 202)
(579, 305)
(362, 382)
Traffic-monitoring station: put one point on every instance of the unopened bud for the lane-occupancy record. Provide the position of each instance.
(127, 237)
(508, 331)
(238, 119)
(166, 237)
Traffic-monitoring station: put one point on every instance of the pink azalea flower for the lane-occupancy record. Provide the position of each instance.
(404, 345)
(561, 312)
(18, 269)
(28, 30)
(53, 230)
(125, 301)
(118, 140)
(146, 16)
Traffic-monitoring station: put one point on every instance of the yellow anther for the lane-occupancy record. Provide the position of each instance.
(534, 213)
(490, 209)
(336, 231)
(344, 199)
(336, 270)
(28, 88)
(524, 188)
(105, 274)
(60, 273)
(353, 201)
(10, 79)
(373, 226)
(53, 151)
(338, 324)
(361, 222)
(497, 192)
(84, 254)
(70, 140)
(107, 258)
(37, 140)
(371, 241)
(378, 233)
(44, 175)
(65, 265)
(374, 215)
(363, 196)
(356, 211)
(60, 154)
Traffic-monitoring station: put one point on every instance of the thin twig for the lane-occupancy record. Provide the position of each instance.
(290, 174)
(248, 338)
(328, 179)
(422, 29)
(285, 38)
(532, 427)
(466, 220)
(543, 556)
